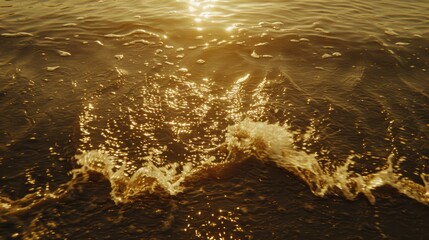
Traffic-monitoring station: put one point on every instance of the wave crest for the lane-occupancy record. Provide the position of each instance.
(266, 142)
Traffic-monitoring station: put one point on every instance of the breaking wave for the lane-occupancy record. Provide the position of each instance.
(266, 142)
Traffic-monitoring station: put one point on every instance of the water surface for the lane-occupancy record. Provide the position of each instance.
(215, 119)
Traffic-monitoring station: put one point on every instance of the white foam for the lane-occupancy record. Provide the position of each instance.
(63, 53)
(148, 178)
(51, 69)
(391, 32)
(254, 54)
(69, 24)
(273, 142)
(267, 142)
(99, 42)
(402, 43)
(137, 31)
(18, 34)
(119, 56)
(143, 41)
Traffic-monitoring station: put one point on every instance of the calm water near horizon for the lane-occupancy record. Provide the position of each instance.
(214, 119)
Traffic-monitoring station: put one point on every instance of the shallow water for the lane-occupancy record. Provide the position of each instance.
(214, 119)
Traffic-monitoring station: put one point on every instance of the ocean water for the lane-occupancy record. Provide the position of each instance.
(214, 119)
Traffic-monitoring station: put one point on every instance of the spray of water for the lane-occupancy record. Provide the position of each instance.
(266, 142)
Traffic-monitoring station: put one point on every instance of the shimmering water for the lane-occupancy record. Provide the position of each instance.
(214, 119)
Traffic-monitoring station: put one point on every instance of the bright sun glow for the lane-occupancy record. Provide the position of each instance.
(201, 11)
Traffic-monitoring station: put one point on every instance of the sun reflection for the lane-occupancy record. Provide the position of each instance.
(217, 224)
(202, 11)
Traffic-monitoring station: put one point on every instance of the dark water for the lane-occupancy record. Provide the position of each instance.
(214, 119)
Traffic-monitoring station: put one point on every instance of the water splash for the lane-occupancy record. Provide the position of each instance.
(266, 142)
(273, 142)
(147, 179)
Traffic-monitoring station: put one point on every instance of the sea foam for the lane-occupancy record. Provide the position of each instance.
(268, 143)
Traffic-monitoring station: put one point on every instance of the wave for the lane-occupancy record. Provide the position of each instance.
(134, 32)
(18, 34)
(268, 143)
(148, 178)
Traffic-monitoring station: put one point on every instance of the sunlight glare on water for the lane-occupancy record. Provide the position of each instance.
(214, 119)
